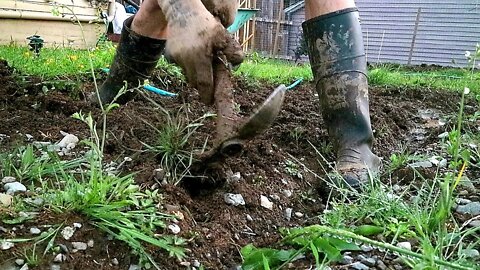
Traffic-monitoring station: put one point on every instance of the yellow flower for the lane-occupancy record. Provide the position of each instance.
(82, 66)
(27, 54)
(73, 57)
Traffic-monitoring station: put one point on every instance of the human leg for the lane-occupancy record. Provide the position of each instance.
(338, 63)
(141, 44)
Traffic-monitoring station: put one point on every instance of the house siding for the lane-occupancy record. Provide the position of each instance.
(446, 29)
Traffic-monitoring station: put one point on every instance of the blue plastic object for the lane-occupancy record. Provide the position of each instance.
(295, 84)
(243, 15)
(151, 88)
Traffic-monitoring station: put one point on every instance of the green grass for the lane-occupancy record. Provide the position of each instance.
(55, 62)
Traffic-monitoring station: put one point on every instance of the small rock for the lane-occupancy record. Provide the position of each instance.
(186, 264)
(35, 231)
(471, 253)
(8, 179)
(359, 266)
(77, 225)
(60, 258)
(346, 260)
(299, 214)
(174, 228)
(275, 197)
(55, 267)
(134, 267)
(196, 264)
(287, 193)
(366, 248)
(266, 203)
(24, 267)
(63, 248)
(67, 232)
(14, 187)
(405, 245)
(235, 177)
(6, 245)
(159, 174)
(234, 199)
(79, 245)
(474, 223)
(90, 243)
(19, 262)
(462, 201)
(421, 164)
(381, 265)
(472, 208)
(29, 137)
(369, 262)
(249, 218)
(69, 141)
(115, 261)
(288, 214)
(6, 199)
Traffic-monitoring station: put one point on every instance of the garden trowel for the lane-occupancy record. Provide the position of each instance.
(232, 129)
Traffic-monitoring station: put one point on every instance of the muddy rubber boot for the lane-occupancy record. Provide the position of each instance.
(134, 61)
(337, 57)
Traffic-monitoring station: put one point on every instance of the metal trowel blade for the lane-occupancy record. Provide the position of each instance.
(264, 115)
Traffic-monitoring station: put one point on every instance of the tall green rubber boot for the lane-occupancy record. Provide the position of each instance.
(337, 57)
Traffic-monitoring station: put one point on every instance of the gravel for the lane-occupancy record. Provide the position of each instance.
(405, 245)
(359, 266)
(67, 232)
(35, 231)
(79, 245)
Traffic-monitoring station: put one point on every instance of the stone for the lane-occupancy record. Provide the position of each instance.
(462, 201)
(63, 248)
(55, 267)
(405, 245)
(69, 141)
(249, 218)
(6, 199)
(8, 179)
(60, 258)
(346, 260)
(234, 199)
(19, 262)
(472, 208)
(366, 248)
(196, 264)
(14, 187)
(467, 184)
(77, 225)
(134, 267)
(24, 267)
(299, 214)
(235, 177)
(471, 253)
(79, 245)
(421, 164)
(266, 203)
(288, 214)
(67, 232)
(371, 262)
(287, 193)
(359, 266)
(174, 228)
(381, 265)
(5, 245)
(35, 231)
(474, 223)
(90, 243)
(115, 261)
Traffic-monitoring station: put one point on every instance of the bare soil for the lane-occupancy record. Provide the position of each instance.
(217, 231)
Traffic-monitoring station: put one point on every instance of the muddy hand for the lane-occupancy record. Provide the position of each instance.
(195, 35)
(225, 10)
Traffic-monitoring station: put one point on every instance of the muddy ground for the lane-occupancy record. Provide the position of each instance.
(402, 119)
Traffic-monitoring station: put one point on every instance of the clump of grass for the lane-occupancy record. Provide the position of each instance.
(174, 146)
